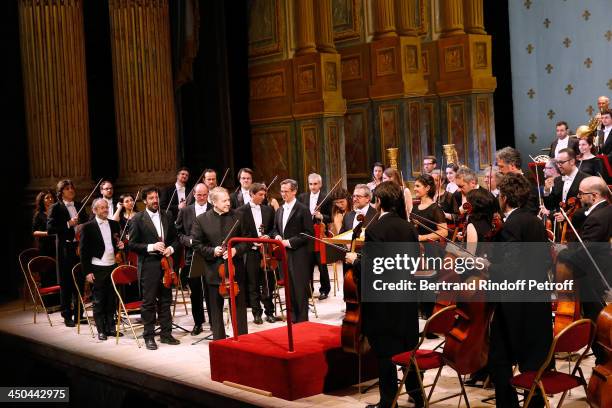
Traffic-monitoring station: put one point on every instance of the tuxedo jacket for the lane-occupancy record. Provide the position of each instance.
(171, 205)
(325, 209)
(556, 193)
(143, 233)
(607, 147)
(237, 199)
(349, 218)
(92, 244)
(267, 219)
(57, 223)
(572, 143)
(184, 223)
(299, 221)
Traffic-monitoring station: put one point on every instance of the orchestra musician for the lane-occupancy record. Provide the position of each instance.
(509, 161)
(391, 327)
(64, 222)
(210, 233)
(390, 174)
(320, 214)
(42, 209)
(563, 140)
(242, 196)
(340, 200)
(521, 332)
(126, 209)
(491, 176)
(377, 174)
(606, 134)
(258, 222)
(153, 236)
(451, 171)
(290, 221)
(174, 197)
(184, 224)
(98, 244)
(444, 198)
(587, 162)
(106, 192)
(429, 164)
(362, 196)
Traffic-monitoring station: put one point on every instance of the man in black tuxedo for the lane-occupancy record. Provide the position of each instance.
(174, 197)
(184, 224)
(210, 233)
(563, 141)
(312, 200)
(64, 220)
(391, 327)
(242, 196)
(596, 232)
(290, 221)
(98, 245)
(362, 196)
(563, 187)
(521, 333)
(509, 162)
(258, 222)
(153, 236)
(605, 134)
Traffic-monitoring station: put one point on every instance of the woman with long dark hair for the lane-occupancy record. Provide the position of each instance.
(45, 243)
(390, 174)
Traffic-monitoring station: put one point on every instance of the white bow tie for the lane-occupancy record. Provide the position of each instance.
(286, 206)
(254, 205)
(102, 222)
(154, 215)
(565, 178)
(69, 203)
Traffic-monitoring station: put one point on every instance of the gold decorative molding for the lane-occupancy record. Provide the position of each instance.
(346, 16)
(481, 59)
(483, 131)
(266, 28)
(411, 58)
(351, 67)
(385, 61)
(388, 123)
(453, 58)
(331, 76)
(457, 132)
(269, 85)
(307, 78)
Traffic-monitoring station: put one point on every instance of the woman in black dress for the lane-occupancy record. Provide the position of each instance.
(340, 206)
(587, 161)
(126, 209)
(44, 242)
(444, 198)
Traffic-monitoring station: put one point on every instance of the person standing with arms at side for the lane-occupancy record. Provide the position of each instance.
(98, 245)
(106, 191)
(184, 224)
(242, 196)
(377, 172)
(258, 222)
(153, 236)
(290, 221)
(42, 209)
(64, 222)
(563, 141)
(173, 198)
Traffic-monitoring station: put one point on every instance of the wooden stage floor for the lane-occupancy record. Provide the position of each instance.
(184, 369)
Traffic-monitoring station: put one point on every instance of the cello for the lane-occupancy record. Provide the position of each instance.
(599, 390)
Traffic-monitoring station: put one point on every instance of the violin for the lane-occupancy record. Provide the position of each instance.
(497, 225)
(570, 207)
(170, 277)
(462, 221)
(268, 261)
(599, 391)
(222, 269)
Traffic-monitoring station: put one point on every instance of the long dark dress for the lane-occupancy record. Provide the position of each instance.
(46, 245)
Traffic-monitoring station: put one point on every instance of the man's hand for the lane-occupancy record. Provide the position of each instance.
(90, 277)
(350, 257)
(559, 217)
(318, 215)
(286, 243)
(182, 204)
(278, 238)
(73, 221)
(159, 246)
(233, 253)
(218, 251)
(168, 251)
(120, 245)
(544, 211)
(548, 183)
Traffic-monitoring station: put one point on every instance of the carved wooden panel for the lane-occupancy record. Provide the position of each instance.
(483, 131)
(414, 134)
(331, 76)
(480, 55)
(307, 78)
(429, 128)
(411, 58)
(268, 85)
(457, 128)
(265, 27)
(346, 18)
(335, 170)
(425, 61)
(310, 146)
(351, 67)
(389, 127)
(356, 143)
(385, 61)
(453, 58)
(271, 155)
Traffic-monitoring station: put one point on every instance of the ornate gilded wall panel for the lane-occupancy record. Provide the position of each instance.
(266, 28)
(457, 128)
(356, 142)
(346, 16)
(429, 128)
(388, 116)
(267, 85)
(334, 146)
(272, 153)
(483, 131)
(310, 148)
(414, 135)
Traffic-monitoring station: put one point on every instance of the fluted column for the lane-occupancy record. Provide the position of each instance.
(473, 17)
(144, 104)
(406, 18)
(55, 89)
(305, 24)
(451, 17)
(384, 18)
(324, 25)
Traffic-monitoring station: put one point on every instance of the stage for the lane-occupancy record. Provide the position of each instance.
(105, 374)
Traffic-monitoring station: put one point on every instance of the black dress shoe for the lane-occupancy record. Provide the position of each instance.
(69, 322)
(270, 319)
(113, 333)
(169, 340)
(102, 336)
(257, 319)
(151, 344)
(323, 296)
(197, 329)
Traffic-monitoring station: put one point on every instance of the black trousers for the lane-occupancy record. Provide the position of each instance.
(104, 298)
(215, 306)
(385, 347)
(591, 310)
(258, 292)
(199, 294)
(67, 259)
(156, 298)
(325, 285)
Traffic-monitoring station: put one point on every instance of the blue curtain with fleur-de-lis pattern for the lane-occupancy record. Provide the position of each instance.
(561, 56)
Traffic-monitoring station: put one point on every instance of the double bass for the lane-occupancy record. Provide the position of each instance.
(599, 390)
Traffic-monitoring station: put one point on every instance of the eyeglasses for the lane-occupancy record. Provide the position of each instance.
(563, 161)
(581, 193)
(359, 196)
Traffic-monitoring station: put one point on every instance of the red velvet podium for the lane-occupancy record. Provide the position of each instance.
(262, 360)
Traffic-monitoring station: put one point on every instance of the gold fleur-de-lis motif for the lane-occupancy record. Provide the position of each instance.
(588, 62)
(569, 88)
(586, 15)
(530, 48)
(610, 83)
(530, 93)
(549, 68)
(590, 110)
(533, 138)
(551, 114)
(527, 4)
(608, 35)
(567, 42)
(546, 22)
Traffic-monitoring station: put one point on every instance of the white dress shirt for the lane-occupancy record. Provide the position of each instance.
(200, 209)
(246, 196)
(507, 214)
(561, 144)
(591, 208)
(158, 227)
(313, 201)
(451, 187)
(567, 182)
(287, 207)
(256, 211)
(71, 210)
(607, 130)
(111, 210)
(358, 211)
(108, 259)
(180, 192)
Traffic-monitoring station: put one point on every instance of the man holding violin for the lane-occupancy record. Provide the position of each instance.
(152, 237)
(210, 233)
(98, 245)
(258, 222)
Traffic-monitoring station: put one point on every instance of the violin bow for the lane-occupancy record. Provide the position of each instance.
(126, 224)
(171, 198)
(537, 180)
(88, 197)
(194, 186)
(601, 275)
(338, 247)
(444, 238)
(318, 207)
(608, 187)
(230, 232)
(224, 176)
(272, 182)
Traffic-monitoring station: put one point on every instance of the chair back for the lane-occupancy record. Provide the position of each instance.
(442, 321)
(42, 269)
(26, 256)
(124, 275)
(574, 337)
